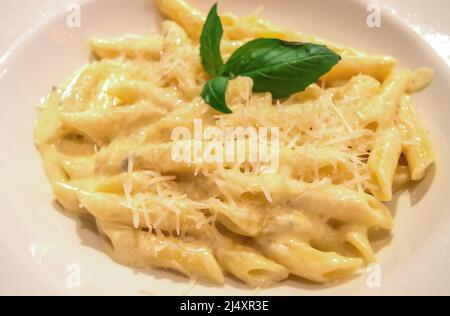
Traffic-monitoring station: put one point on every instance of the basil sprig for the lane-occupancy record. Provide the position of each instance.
(210, 43)
(214, 93)
(276, 66)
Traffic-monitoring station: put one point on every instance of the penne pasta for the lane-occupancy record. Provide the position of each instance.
(307, 262)
(251, 267)
(142, 249)
(383, 161)
(417, 146)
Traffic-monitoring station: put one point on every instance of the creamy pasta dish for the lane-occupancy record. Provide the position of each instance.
(345, 143)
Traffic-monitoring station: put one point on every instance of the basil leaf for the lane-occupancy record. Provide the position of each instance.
(280, 67)
(210, 43)
(214, 93)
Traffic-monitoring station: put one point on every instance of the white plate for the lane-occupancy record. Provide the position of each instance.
(42, 249)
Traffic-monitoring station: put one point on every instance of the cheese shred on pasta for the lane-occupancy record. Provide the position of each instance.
(105, 138)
